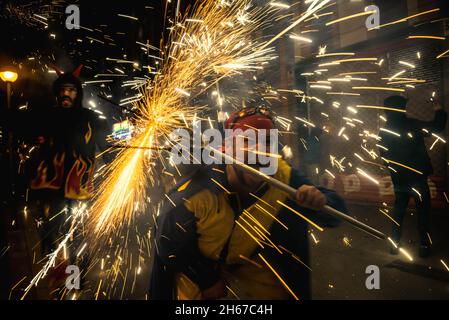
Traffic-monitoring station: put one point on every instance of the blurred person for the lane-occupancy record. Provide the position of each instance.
(402, 141)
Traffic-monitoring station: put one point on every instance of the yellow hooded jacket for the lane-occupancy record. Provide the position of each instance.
(261, 250)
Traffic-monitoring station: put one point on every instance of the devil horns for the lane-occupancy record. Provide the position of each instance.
(75, 73)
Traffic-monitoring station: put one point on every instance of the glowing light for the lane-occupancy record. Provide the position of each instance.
(426, 37)
(379, 88)
(361, 14)
(390, 132)
(8, 76)
(381, 108)
(279, 277)
(405, 253)
(299, 38)
(299, 214)
(444, 264)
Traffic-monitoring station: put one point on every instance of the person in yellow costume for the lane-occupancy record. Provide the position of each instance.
(227, 234)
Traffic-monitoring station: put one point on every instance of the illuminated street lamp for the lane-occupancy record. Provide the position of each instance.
(8, 75)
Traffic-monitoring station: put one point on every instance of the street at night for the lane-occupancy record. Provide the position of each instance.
(224, 150)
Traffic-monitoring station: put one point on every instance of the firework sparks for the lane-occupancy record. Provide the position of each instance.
(366, 175)
(300, 215)
(405, 19)
(77, 217)
(406, 254)
(442, 55)
(219, 40)
(444, 264)
(402, 165)
(361, 14)
(427, 37)
(201, 49)
(389, 217)
(279, 277)
(379, 88)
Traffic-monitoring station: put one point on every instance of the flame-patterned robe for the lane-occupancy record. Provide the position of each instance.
(65, 158)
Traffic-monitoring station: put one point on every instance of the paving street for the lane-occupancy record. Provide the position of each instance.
(339, 269)
(338, 266)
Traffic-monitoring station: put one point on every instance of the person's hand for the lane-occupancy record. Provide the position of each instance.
(310, 197)
(217, 291)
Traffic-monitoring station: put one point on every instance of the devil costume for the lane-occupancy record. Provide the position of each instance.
(65, 140)
(61, 163)
(65, 157)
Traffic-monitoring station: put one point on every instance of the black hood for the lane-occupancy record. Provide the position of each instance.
(69, 78)
(399, 103)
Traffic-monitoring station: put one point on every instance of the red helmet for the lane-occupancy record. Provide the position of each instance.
(254, 118)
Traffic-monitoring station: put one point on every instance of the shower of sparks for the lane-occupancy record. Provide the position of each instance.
(408, 64)
(397, 75)
(390, 132)
(335, 54)
(77, 217)
(214, 41)
(405, 19)
(379, 88)
(406, 254)
(427, 37)
(299, 38)
(446, 197)
(314, 238)
(127, 16)
(313, 8)
(279, 277)
(442, 55)
(418, 193)
(201, 52)
(389, 217)
(366, 175)
(444, 264)
(393, 243)
(347, 241)
(402, 165)
(305, 121)
(430, 239)
(361, 14)
(300, 215)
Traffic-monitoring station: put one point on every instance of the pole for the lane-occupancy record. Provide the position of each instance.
(10, 147)
(292, 192)
(7, 206)
(8, 94)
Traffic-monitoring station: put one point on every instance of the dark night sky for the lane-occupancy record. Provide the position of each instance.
(97, 15)
(22, 38)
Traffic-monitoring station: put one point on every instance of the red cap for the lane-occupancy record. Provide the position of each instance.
(254, 121)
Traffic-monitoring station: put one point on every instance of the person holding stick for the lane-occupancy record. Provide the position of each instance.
(225, 233)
